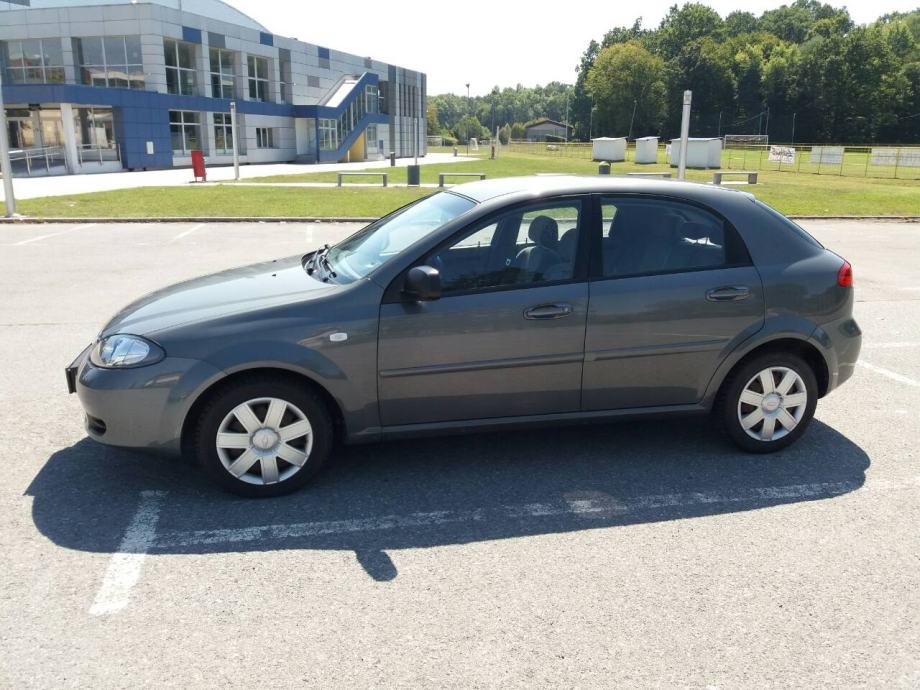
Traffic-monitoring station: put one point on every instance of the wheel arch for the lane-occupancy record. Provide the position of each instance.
(243, 375)
(788, 344)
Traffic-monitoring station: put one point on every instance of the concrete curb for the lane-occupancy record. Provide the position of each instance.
(339, 219)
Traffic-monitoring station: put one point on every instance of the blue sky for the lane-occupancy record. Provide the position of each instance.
(497, 43)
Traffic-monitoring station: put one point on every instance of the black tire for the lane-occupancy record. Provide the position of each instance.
(214, 412)
(728, 412)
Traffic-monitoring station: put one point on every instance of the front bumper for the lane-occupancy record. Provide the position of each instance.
(143, 407)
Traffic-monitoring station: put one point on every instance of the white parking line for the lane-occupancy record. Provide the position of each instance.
(891, 346)
(607, 505)
(188, 232)
(54, 234)
(126, 564)
(893, 375)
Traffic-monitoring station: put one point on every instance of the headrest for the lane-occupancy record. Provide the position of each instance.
(544, 231)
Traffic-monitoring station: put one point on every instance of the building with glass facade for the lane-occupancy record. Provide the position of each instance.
(103, 85)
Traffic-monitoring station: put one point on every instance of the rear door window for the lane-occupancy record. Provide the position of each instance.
(649, 236)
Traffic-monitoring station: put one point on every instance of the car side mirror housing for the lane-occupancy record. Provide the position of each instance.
(423, 284)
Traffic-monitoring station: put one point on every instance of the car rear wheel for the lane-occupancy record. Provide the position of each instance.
(264, 437)
(769, 402)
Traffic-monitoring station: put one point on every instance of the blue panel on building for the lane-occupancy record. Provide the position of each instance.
(190, 35)
(266, 39)
(323, 52)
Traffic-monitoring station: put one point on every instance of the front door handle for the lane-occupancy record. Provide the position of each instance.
(542, 312)
(728, 293)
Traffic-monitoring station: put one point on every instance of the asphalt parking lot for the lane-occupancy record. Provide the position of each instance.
(633, 554)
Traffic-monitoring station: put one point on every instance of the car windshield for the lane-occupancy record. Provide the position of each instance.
(384, 239)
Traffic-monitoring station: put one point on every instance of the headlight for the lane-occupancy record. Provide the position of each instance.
(122, 351)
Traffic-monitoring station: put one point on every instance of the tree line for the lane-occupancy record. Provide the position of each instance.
(804, 72)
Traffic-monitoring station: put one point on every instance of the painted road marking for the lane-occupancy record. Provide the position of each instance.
(893, 375)
(142, 535)
(607, 505)
(54, 234)
(188, 232)
(891, 346)
(126, 564)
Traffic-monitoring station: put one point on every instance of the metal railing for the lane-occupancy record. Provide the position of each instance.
(47, 158)
(28, 160)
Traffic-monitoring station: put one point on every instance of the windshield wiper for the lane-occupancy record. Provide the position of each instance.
(321, 260)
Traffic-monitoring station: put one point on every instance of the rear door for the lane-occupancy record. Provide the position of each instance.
(672, 291)
(506, 338)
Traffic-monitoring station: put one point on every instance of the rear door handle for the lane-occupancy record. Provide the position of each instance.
(728, 293)
(543, 312)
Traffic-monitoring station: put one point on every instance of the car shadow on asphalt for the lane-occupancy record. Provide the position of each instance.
(450, 490)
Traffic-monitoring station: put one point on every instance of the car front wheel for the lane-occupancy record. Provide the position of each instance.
(769, 402)
(263, 437)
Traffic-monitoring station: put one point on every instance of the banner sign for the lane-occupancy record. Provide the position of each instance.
(827, 154)
(905, 158)
(782, 154)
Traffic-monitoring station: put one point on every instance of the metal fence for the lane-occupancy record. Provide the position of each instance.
(884, 162)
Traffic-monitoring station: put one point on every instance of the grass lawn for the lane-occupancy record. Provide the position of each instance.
(790, 193)
(223, 200)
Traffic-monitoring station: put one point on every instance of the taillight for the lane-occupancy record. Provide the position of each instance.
(845, 275)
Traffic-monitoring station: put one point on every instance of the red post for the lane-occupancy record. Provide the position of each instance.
(198, 166)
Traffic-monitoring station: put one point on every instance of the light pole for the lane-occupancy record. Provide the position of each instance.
(684, 136)
(467, 118)
(6, 168)
(236, 141)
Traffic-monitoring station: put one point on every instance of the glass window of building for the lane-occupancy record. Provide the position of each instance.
(287, 75)
(95, 130)
(35, 61)
(371, 98)
(258, 78)
(328, 134)
(185, 130)
(223, 134)
(223, 76)
(371, 137)
(112, 61)
(265, 138)
(180, 67)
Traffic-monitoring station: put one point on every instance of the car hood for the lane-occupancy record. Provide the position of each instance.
(248, 288)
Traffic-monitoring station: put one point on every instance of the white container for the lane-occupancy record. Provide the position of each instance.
(610, 149)
(647, 150)
(702, 152)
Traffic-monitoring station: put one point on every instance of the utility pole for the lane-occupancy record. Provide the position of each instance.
(6, 168)
(719, 128)
(468, 116)
(766, 129)
(684, 136)
(566, 116)
(236, 141)
(792, 143)
(632, 119)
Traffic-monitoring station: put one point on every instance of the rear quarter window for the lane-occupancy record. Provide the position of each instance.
(793, 227)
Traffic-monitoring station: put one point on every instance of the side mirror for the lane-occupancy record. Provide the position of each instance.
(423, 283)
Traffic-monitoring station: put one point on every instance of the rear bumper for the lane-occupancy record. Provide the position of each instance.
(840, 342)
(143, 407)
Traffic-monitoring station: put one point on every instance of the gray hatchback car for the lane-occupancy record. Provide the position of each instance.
(493, 305)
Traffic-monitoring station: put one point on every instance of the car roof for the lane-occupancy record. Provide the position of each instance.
(545, 185)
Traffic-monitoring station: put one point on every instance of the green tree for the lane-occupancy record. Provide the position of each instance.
(626, 77)
(683, 25)
(518, 131)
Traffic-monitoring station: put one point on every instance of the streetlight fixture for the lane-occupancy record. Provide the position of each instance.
(6, 168)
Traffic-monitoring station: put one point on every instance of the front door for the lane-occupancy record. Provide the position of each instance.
(506, 338)
(673, 293)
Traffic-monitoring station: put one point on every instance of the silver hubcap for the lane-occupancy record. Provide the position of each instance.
(264, 441)
(772, 404)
